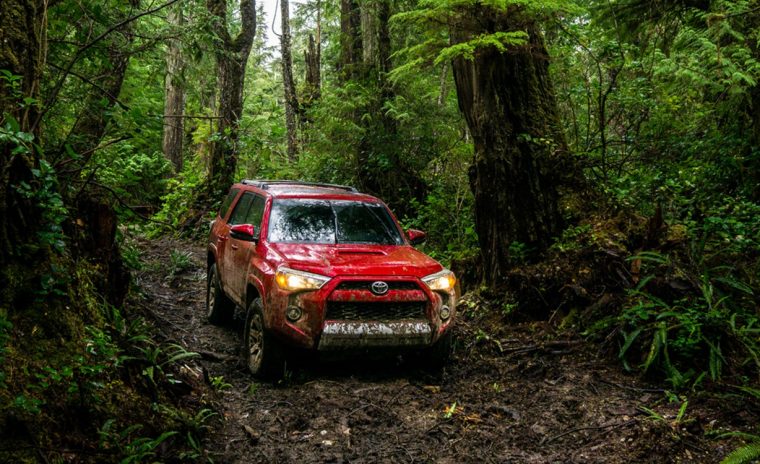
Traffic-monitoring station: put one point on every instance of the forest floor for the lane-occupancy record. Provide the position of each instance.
(510, 394)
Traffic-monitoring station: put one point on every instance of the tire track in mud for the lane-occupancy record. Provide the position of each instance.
(516, 400)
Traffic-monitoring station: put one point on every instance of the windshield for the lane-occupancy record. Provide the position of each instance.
(329, 222)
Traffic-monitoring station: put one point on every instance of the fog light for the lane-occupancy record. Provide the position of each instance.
(445, 312)
(293, 313)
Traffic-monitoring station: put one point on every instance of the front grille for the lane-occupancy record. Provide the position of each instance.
(366, 284)
(374, 311)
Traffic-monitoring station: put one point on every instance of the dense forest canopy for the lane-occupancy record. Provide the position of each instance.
(592, 164)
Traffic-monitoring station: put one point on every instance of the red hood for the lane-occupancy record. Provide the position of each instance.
(346, 260)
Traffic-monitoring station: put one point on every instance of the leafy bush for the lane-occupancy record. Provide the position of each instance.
(138, 177)
(688, 324)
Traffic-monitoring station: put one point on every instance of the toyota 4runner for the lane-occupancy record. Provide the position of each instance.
(323, 267)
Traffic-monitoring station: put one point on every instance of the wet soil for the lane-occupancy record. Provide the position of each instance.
(510, 394)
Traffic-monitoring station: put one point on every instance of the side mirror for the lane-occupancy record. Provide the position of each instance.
(245, 232)
(416, 236)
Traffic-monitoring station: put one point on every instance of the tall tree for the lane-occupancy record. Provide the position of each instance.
(231, 58)
(381, 167)
(22, 45)
(174, 93)
(291, 99)
(508, 101)
(313, 60)
(350, 38)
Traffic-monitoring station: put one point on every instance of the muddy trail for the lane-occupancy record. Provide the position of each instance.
(510, 394)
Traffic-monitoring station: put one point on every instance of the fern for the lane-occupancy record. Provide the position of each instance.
(745, 454)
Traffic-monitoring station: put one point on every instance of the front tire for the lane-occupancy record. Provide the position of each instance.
(263, 355)
(219, 308)
(438, 355)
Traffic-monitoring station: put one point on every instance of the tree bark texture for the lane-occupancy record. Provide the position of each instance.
(313, 59)
(509, 104)
(350, 39)
(291, 99)
(313, 73)
(22, 53)
(231, 58)
(174, 94)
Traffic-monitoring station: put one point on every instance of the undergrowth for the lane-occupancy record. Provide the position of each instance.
(102, 390)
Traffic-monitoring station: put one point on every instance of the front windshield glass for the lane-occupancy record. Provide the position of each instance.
(329, 222)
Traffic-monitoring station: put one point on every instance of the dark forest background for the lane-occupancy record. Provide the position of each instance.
(592, 165)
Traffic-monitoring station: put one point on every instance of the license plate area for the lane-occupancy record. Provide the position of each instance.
(358, 334)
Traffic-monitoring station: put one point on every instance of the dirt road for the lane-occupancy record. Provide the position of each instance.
(507, 396)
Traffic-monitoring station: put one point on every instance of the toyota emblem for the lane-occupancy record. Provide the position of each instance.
(379, 287)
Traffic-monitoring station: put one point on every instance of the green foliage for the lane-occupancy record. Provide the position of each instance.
(41, 191)
(179, 262)
(125, 443)
(501, 41)
(137, 177)
(5, 328)
(689, 335)
(744, 454)
(219, 384)
(178, 202)
(157, 360)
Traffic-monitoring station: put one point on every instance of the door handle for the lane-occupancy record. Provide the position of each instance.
(222, 238)
(234, 247)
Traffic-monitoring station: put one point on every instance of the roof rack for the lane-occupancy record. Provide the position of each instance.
(265, 184)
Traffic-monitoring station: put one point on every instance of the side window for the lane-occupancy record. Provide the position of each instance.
(227, 202)
(256, 212)
(241, 209)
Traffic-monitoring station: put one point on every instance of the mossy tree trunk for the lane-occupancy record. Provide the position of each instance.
(231, 58)
(22, 55)
(509, 104)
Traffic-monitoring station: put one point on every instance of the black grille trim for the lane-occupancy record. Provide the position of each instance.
(375, 311)
(366, 284)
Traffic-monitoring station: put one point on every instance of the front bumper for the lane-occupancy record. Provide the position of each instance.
(344, 315)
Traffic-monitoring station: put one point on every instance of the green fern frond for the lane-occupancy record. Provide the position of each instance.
(743, 455)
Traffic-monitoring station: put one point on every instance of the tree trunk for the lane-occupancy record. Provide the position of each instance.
(174, 94)
(22, 53)
(231, 58)
(313, 58)
(382, 168)
(291, 100)
(350, 39)
(509, 104)
(313, 73)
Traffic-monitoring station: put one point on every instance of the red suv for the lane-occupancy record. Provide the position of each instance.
(323, 267)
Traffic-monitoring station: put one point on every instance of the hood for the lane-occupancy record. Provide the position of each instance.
(346, 260)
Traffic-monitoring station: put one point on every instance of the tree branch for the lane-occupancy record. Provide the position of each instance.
(67, 70)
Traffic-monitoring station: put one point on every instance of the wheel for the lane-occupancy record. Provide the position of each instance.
(219, 308)
(262, 354)
(438, 355)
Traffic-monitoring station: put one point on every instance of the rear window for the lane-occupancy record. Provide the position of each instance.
(330, 222)
(227, 202)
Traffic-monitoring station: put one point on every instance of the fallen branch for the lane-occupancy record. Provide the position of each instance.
(607, 428)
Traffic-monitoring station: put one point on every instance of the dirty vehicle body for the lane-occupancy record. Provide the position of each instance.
(324, 267)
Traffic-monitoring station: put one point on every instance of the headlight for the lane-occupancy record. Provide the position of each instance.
(444, 280)
(290, 279)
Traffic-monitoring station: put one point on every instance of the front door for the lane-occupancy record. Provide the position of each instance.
(241, 252)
